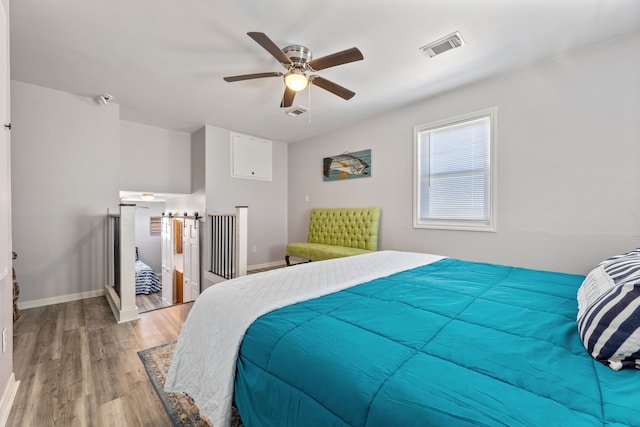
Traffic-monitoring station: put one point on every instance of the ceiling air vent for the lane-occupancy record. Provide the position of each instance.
(296, 111)
(444, 44)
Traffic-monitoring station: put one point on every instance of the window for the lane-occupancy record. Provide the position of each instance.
(455, 173)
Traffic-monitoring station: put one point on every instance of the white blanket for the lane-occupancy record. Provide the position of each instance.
(204, 362)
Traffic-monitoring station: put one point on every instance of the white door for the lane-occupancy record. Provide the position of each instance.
(6, 281)
(191, 251)
(166, 236)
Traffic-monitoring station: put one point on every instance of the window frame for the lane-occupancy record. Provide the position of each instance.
(458, 224)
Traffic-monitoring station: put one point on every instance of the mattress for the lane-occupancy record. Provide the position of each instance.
(448, 343)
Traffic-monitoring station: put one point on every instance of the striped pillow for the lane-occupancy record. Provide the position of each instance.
(609, 326)
(616, 270)
(624, 268)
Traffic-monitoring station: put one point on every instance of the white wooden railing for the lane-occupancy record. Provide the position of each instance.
(120, 288)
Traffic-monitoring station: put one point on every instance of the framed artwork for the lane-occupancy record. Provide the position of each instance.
(347, 166)
(155, 225)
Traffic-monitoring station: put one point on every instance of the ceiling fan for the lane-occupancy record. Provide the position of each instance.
(298, 62)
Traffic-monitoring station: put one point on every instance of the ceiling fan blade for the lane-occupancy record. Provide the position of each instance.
(271, 47)
(287, 98)
(332, 87)
(338, 58)
(251, 76)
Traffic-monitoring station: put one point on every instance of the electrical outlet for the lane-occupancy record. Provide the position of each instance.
(254, 249)
(4, 340)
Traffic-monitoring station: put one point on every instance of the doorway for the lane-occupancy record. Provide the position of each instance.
(167, 248)
(148, 267)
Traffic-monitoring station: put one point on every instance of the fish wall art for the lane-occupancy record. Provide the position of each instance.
(347, 166)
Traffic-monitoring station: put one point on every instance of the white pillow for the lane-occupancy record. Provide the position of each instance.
(596, 284)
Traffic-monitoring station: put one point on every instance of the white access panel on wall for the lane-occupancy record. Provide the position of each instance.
(251, 157)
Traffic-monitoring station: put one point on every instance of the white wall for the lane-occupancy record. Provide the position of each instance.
(195, 201)
(65, 174)
(267, 200)
(198, 163)
(568, 175)
(154, 159)
(149, 247)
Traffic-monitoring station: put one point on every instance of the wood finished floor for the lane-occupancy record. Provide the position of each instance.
(148, 302)
(78, 367)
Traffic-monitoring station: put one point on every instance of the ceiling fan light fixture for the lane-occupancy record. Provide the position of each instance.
(147, 197)
(296, 80)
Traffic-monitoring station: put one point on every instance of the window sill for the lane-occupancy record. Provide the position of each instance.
(456, 226)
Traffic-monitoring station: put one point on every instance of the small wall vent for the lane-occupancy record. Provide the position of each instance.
(298, 110)
(442, 45)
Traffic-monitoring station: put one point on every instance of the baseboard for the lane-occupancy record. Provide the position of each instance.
(128, 315)
(7, 399)
(266, 265)
(24, 305)
(122, 316)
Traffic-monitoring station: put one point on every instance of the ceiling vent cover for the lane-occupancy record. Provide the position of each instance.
(296, 111)
(444, 44)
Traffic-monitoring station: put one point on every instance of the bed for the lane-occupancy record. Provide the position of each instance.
(147, 281)
(395, 338)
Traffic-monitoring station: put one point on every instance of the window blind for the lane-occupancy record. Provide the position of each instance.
(455, 172)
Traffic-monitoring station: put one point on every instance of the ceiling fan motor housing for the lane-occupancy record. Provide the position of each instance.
(300, 55)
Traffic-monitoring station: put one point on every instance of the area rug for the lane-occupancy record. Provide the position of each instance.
(181, 409)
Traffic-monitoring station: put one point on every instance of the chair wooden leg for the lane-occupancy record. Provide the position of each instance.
(286, 258)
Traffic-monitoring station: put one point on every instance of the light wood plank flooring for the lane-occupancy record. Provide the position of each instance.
(148, 302)
(78, 367)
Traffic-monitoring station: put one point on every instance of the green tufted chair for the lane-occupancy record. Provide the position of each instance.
(338, 232)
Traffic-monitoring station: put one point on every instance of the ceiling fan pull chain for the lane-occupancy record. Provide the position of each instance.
(310, 84)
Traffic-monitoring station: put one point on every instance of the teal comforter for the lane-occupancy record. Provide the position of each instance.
(448, 344)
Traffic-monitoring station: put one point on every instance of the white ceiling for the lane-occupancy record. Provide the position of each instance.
(163, 60)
